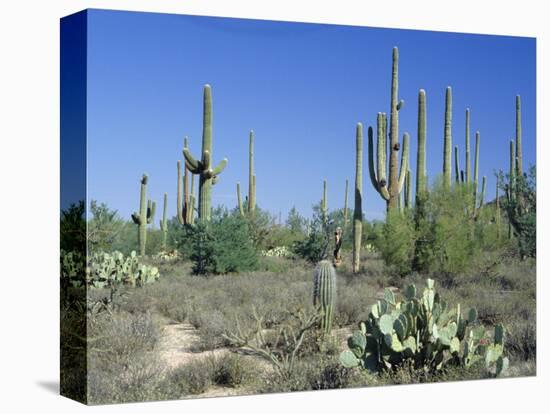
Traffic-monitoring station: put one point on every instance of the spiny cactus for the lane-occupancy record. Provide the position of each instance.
(324, 292)
(468, 170)
(423, 330)
(164, 222)
(324, 206)
(203, 167)
(389, 191)
(407, 202)
(358, 208)
(457, 166)
(145, 216)
(251, 176)
(186, 207)
(519, 157)
(448, 139)
(421, 182)
(239, 200)
(476, 167)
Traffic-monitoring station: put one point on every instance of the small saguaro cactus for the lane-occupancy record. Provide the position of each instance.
(186, 207)
(448, 139)
(251, 176)
(164, 222)
(203, 167)
(324, 292)
(389, 191)
(145, 216)
(358, 209)
(519, 157)
(239, 200)
(421, 182)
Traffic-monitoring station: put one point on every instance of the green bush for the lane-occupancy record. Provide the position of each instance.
(222, 246)
(396, 241)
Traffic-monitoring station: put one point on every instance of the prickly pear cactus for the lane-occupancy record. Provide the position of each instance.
(424, 330)
(324, 292)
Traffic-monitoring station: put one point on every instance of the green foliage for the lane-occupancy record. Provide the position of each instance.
(314, 247)
(104, 228)
(425, 332)
(222, 246)
(73, 228)
(395, 241)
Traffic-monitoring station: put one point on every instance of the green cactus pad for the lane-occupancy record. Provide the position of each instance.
(389, 296)
(499, 334)
(386, 324)
(348, 359)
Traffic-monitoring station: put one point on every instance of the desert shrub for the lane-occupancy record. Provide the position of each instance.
(104, 227)
(232, 370)
(122, 363)
(73, 228)
(194, 377)
(222, 246)
(396, 241)
(315, 246)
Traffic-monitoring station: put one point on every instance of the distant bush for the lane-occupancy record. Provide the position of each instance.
(221, 246)
(396, 241)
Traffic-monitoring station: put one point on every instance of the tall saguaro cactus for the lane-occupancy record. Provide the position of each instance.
(390, 192)
(457, 166)
(164, 222)
(324, 292)
(407, 202)
(251, 175)
(421, 184)
(511, 183)
(358, 209)
(203, 167)
(145, 216)
(448, 139)
(468, 168)
(239, 200)
(519, 156)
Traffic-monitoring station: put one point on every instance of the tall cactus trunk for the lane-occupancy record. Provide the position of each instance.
(164, 222)
(519, 156)
(358, 209)
(251, 176)
(468, 168)
(145, 216)
(448, 139)
(421, 184)
(324, 207)
(457, 166)
(239, 200)
(408, 191)
(476, 167)
(203, 167)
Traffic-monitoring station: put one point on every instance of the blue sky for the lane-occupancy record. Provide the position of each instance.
(301, 87)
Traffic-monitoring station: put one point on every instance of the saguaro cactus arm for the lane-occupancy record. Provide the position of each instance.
(404, 162)
(378, 176)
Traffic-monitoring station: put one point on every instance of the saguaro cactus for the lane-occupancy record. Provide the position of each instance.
(358, 210)
(476, 166)
(408, 191)
(390, 192)
(251, 176)
(468, 168)
(457, 166)
(203, 167)
(186, 207)
(164, 222)
(519, 157)
(511, 183)
(497, 207)
(145, 216)
(421, 184)
(448, 139)
(324, 292)
(239, 200)
(324, 207)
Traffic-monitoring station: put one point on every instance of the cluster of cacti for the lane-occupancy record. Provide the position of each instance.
(324, 292)
(145, 215)
(423, 330)
(185, 208)
(106, 270)
(389, 190)
(358, 209)
(208, 175)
